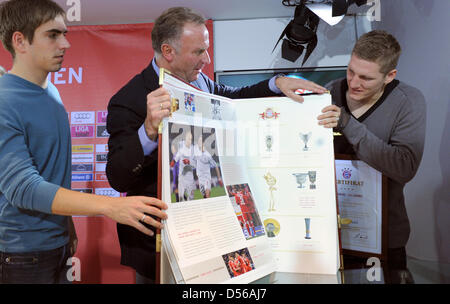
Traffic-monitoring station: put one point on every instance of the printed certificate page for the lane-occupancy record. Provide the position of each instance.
(290, 161)
(360, 200)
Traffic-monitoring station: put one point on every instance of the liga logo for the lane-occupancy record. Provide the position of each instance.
(82, 131)
(346, 173)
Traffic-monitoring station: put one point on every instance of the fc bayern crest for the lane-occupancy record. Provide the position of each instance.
(269, 114)
(346, 173)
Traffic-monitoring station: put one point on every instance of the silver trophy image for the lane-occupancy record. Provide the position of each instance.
(269, 143)
(308, 230)
(301, 179)
(305, 138)
(312, 179)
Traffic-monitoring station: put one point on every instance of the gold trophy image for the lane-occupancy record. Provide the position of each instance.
(271, 182)
(175, 106)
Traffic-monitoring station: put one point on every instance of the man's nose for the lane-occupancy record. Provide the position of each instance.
(354, 82)
(206, 58)
(64, 43)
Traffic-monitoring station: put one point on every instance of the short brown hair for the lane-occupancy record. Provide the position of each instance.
(380, 47)
(169, 25)
(25, 16)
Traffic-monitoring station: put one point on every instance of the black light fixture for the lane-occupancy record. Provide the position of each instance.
(340, 7)
(301, 31)
(300, 34)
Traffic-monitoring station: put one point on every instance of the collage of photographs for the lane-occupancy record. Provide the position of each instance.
(195, 174)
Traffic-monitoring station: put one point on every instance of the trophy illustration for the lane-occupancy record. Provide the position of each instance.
(312, 179)
(215, 110)
(301, 179)
(175, 106)
(270, 230)
(272, 227)
(308, 231)
(305, 138)
(271, 181)
(269, 143)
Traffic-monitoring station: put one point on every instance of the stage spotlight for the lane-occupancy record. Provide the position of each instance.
(300, 34)
(340, 7)
(301, 31)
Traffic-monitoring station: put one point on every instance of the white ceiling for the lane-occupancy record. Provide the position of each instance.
(139, 11)
(95, 12)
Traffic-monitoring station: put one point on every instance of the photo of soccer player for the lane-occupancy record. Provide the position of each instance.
(195, 171)
(246, 212)
(238, 262)
(189, 102)
(215, 109)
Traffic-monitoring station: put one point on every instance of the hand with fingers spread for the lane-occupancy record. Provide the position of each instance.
(135, 210)
(158, 107)
(330, 116)
(289, 85)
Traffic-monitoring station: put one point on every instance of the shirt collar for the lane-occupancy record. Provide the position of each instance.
(155, 66)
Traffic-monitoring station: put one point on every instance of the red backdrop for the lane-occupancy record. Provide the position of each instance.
(100, 61)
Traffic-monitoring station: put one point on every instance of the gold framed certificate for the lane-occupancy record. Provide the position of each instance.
(362, 204)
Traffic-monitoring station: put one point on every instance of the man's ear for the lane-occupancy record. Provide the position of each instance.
(168, 52)
(19, 42)
(390, 76)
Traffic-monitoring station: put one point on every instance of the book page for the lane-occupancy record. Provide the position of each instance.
(290, 161)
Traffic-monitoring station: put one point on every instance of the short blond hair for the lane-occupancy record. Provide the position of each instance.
(380, 47)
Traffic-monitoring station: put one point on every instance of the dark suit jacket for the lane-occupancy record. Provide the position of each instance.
(129, 171)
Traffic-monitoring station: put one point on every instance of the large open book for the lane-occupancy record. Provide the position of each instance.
(250, 185)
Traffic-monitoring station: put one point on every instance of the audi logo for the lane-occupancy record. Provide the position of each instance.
(82, 115)
(107, 192)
